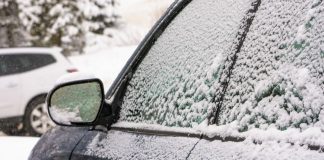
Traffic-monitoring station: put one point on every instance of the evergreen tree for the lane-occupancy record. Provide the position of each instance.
(98, 14)
(64, 23)
(12, 33)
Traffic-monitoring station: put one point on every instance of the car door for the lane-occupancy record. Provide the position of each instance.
(273, 106)
(37, 65)
(10, 86)
(174, 87)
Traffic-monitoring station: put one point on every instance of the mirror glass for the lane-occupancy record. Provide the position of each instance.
(76, 103)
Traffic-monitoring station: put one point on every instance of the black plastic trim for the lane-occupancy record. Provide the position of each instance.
(200, 136)
(157, 132)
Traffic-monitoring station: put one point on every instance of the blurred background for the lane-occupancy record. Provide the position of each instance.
(40, 40)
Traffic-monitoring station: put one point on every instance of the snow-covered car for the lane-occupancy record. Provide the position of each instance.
(26, 76)
(214, 79)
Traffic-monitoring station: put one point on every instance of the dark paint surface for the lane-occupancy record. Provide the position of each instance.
(57, 143)
(130, 145)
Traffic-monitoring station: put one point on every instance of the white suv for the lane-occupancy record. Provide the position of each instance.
(26, 75)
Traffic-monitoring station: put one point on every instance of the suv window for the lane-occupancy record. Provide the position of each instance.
(278, 79)
(177, 81)
(18, 63)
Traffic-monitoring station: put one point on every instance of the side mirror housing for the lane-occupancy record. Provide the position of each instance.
(76, 103)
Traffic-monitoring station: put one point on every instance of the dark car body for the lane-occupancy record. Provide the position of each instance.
(226, 127)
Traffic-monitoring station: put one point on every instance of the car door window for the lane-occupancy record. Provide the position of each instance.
(33, 61)
(9, 65)
(18, 63)
(278, 80)
(177, 81)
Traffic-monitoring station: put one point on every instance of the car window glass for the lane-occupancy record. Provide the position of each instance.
(17, 63)
(278, 80)
(40, 60)
(2, 65)
(9, 65)
(176, 82)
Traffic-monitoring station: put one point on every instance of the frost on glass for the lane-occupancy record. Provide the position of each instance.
(278, 80)
(76, 103)
(177, 81)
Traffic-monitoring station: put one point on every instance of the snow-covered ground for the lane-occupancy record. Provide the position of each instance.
(17, 148)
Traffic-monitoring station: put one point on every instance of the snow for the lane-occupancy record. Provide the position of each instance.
(311, 136)
(17, 148)
(102, 59)
(155, 127)
(147, 12)
(65, 116)
(175, 83)
(121, 145)
(276, 90)
(275, 93)
(270, 150)
(275, 96)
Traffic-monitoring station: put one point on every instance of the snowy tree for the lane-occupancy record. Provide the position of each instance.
(64, 23)
(99, 15)
(12, 33)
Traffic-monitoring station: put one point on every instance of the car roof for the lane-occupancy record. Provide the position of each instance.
(38, 50)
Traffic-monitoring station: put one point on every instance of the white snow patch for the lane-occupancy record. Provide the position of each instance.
(17, 148)
(310, 136)
(65, 116)
(155, 127)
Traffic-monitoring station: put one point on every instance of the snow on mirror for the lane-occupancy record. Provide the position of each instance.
(76, 103)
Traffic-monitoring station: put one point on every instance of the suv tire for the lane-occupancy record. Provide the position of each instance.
(36, 119)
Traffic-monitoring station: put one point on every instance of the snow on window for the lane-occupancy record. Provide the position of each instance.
(278, 80)
(177, 81)
(121, 145)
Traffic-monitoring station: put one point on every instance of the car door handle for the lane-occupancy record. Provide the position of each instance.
(12, 85)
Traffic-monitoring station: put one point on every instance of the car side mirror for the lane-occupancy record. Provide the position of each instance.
(76, 103)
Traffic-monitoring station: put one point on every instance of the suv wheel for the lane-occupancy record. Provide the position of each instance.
(36, 120)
